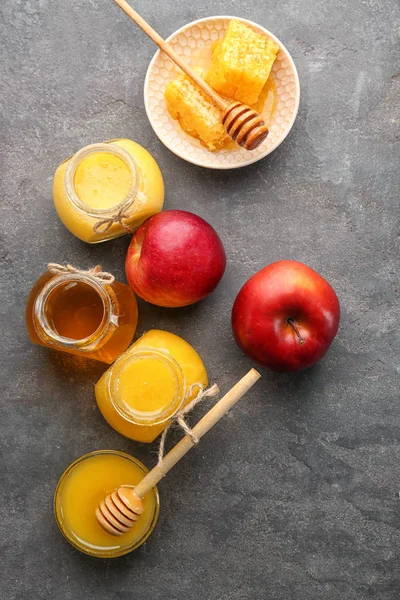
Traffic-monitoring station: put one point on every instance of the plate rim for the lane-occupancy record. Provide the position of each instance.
(251, 160)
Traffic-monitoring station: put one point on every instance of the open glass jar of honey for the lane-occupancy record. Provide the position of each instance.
(107, 189)
(80, 490)
(80, 313)
(143, 390)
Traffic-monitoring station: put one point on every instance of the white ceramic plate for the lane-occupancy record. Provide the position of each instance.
(193, 42)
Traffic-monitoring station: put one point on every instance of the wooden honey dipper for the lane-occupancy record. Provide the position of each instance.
(242, 123)
(119, 511)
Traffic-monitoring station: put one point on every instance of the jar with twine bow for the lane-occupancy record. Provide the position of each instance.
(83, 312)
(151, 386)
(107, 190)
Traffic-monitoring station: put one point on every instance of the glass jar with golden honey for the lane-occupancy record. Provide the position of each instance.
(107, 189)
(77, 312)
(143, 390)
(81, 488)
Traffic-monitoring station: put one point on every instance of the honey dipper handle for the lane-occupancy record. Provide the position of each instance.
(157, 39)
(208, 421)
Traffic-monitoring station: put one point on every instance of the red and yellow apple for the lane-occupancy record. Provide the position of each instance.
(174, 259)
(286, 316)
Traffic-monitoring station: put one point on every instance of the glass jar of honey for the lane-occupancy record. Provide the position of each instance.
(107, 189)
(143, 390)
(81, 488)
(77, 312)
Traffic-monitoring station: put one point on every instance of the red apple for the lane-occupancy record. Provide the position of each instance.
(174, 259)
(286, 316)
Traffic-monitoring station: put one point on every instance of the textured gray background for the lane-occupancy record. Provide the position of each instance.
(295, 495)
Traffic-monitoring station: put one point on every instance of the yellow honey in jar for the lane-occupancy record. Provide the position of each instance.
(102, 180)
(106, 189)
(79, 492)
(140, 393)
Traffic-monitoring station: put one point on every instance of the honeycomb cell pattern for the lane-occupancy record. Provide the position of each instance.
(193, 42)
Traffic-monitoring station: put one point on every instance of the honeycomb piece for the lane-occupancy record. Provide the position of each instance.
(266, 102)
(196, 114)
(241, 63)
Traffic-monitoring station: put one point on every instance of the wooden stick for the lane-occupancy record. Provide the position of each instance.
(204, 425)
(169, 51)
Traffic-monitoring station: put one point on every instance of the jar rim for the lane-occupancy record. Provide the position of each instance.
(73, 164)
(139, 417)
(75, 543)
(43, 326)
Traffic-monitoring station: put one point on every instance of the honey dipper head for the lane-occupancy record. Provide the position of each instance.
(244, 125)
(119, 511)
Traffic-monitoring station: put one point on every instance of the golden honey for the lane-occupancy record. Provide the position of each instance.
(76, 313)
(140, 393)
(82, 487)
(103, 180)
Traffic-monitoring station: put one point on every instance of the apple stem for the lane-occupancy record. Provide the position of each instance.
(292, 324)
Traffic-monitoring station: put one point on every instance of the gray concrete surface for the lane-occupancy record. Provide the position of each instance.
(295, 495)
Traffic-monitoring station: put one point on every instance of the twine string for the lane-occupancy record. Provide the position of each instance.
(101, 276)
(179, 416)
(104, 225)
